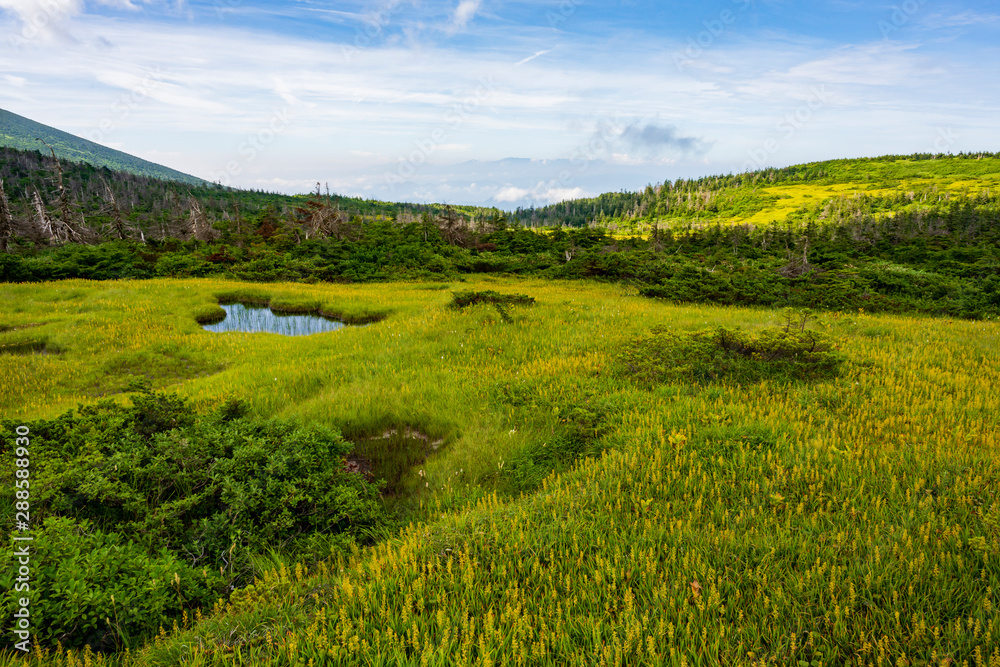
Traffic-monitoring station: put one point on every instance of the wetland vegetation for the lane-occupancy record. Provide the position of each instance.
(707, 442)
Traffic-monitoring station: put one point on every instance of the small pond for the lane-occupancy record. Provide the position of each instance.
(261, 319)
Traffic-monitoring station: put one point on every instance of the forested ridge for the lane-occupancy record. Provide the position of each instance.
(25, 134)
(923, 238)
(734, 196)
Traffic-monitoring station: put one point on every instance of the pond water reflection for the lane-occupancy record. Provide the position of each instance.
(260, 319)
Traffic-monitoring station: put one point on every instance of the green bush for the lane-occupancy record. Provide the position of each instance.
(578, 435)
(180, 265)
(156, 472)
(190, 492)
(500, 301)
(783, 353)
(93, 588)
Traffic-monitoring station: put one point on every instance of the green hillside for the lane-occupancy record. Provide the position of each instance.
(777, 196)
(24, 134)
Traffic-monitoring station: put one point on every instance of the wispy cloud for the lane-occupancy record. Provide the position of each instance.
(464, 13)
(30, 10)
(537, 54)
(44, 19)
(412, 63)
(968, 17)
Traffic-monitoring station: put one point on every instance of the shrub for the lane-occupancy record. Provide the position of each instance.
(190, 492)
(95, 588)
(500, 301)
(783, 353)
(180, 265)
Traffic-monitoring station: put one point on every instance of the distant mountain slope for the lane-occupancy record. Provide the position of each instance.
(777, 196)
(23, 133)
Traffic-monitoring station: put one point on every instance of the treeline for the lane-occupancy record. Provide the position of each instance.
(941, 259)
(731, 196)
(914, 250)
(48, 202)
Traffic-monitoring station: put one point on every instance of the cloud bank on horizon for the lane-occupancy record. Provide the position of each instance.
(502, 102)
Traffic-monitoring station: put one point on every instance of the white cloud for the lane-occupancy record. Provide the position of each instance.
(553, 195)
(32, 10)
(464, 13)
(44, 19)
(219, 84)
(532, 57)
(962, 19)
(541, 194)
(15, 81)
(510, 194)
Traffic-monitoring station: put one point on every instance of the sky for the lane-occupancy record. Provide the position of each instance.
(507, 103)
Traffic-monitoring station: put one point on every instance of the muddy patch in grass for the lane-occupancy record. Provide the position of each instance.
(391, 453)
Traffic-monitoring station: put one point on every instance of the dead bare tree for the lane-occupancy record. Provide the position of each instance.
(44, 221)
(797, 266)
(320, 217)
(6, 219)
(54, 230)
(118, 225)
(198, 225)
(73, 234)
(453, 227)
(239, 226)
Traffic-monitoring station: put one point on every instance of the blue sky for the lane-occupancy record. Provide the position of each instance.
(496, 102)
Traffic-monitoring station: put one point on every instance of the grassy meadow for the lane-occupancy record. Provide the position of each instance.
(553, 511)
(945, 178)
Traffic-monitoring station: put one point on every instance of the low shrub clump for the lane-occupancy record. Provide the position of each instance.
(164, 509)
(783, 353)
(500, 301)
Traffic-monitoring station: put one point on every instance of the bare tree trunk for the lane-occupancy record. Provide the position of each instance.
(6, 220)
(73, 234)
(117, 221)
(199, 223)
(44, 222)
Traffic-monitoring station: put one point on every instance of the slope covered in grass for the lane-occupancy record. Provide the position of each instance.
(24, 134)
(834, 521)
(775, 196)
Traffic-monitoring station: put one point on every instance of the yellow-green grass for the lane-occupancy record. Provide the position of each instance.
(855, 521)
(792, 198)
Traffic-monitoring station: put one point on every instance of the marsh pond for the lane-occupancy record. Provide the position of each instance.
(261, 319)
